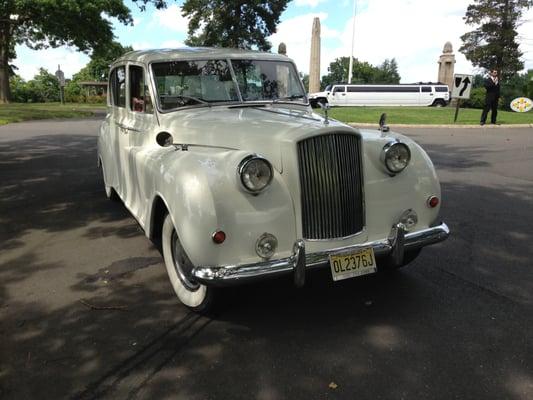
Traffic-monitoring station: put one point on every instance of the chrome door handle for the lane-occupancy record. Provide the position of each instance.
(128, 128)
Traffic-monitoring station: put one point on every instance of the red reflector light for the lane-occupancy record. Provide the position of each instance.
(433, 201)
(219, 237)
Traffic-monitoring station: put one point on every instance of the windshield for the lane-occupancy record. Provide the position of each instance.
(267, 80)
(202, 83)
(187, 83)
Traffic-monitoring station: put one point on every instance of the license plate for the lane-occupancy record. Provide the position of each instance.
(349, 265)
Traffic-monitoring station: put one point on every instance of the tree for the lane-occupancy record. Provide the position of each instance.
(493, 43)
(232, 23)
(43, 23)
(362, 72)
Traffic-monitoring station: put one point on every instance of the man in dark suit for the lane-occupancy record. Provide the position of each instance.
(492, 84)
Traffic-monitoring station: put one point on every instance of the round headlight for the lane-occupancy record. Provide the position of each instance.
(396, 156)
(255, 173)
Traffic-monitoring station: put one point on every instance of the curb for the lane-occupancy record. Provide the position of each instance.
(488, 126)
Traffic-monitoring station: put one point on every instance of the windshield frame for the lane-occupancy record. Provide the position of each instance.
(300, 102)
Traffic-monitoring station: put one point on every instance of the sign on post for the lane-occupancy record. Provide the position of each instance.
(521, 104)
(462, 85)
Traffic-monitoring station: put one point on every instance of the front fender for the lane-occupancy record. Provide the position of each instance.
(202, 193)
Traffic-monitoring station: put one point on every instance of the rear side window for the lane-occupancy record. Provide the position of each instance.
(117, 86)
(426, 89)
(441, 88)
(140, 100)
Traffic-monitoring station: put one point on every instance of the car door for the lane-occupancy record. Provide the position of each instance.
(426, 96)
(338, 96)
(117, 83)
(135, 130)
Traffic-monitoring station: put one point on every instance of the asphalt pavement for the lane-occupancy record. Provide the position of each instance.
(86, 309)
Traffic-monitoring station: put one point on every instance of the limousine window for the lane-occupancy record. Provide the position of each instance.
(426, 89)
(384, 89)
(441, 88)
(193, 83)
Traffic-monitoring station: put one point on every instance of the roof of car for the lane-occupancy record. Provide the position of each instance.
(188, 53)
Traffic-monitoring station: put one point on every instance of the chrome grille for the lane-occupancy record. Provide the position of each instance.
(331, 186)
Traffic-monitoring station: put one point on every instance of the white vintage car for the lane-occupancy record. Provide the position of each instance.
(220, 158)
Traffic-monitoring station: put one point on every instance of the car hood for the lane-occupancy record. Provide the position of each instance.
(261, 130)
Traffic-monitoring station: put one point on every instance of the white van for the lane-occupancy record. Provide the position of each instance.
(437, 95)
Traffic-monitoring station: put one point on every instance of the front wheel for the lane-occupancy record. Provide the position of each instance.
(179, 267)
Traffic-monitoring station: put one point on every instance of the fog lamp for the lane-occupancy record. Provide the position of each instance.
(266, 245)
(408, 219)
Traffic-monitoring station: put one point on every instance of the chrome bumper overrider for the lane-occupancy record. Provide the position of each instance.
(393, 247)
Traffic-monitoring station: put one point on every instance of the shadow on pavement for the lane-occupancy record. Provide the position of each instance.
(454, 324)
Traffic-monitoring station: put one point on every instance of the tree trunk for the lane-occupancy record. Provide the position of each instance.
(5, 92)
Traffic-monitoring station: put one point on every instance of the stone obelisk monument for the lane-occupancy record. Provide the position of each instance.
(447, 65)
(314, 65)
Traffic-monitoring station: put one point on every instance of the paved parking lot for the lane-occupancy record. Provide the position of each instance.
(86, 310)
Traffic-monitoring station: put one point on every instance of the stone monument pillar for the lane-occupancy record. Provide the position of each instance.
(314, 65)
(282, 49)
(447, 65)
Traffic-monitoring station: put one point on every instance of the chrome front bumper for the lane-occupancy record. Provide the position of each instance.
(392, 247)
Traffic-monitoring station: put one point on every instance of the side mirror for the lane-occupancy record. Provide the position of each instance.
(164, 139)
(383, 127)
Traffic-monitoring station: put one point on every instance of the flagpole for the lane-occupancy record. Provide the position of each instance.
(353, 36)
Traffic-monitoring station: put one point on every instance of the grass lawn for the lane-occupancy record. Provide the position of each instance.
(423, 115)
(17, 112)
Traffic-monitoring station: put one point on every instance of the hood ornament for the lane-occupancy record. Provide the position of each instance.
(325, 107)
(383, 127)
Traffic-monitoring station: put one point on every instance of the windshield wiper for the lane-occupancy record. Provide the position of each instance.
(186, 98)
(293, 97)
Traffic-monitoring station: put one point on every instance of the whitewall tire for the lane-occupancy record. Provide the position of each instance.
(192, 294)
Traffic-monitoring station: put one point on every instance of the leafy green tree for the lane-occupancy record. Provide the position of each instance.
(362, 72)
(493, 43)
(232, 23)
(42, 23)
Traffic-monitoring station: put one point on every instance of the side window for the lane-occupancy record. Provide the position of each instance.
(117, 83)
(140, 100)
(426, 89)
(338, 89)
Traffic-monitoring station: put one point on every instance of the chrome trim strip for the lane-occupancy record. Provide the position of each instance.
(234, 274)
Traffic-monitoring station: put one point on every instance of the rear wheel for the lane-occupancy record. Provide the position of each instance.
(179, 267)
(439, 103)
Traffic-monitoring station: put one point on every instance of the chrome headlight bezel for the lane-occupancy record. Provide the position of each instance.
(387, 153)
(246, 163)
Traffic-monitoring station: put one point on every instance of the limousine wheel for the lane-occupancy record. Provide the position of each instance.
(439, 103)
(179, 267)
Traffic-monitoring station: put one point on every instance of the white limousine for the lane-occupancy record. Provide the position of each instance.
(437, 95)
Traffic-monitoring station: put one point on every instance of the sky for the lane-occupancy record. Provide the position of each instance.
(411, 31)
